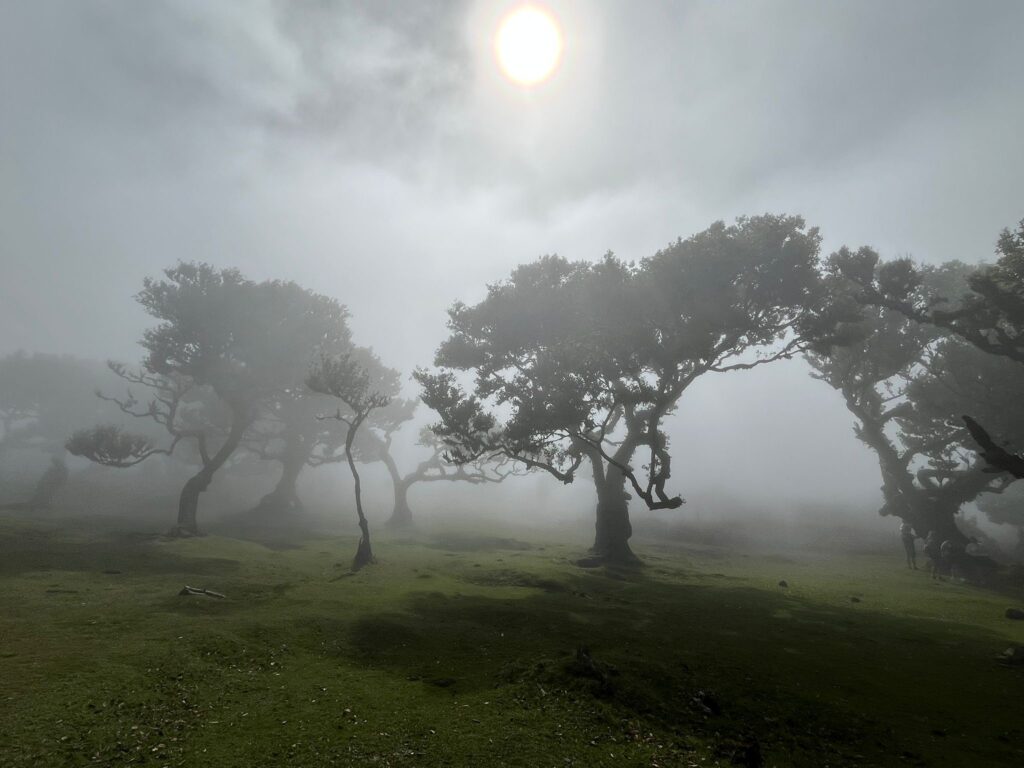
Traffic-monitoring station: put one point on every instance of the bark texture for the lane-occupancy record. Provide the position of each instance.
(612, 528)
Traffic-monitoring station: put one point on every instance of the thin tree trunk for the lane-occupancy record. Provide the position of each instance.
(364, 552)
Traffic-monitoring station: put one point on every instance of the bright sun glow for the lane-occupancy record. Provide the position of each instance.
(528, 45)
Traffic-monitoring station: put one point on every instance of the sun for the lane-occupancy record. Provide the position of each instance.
(528, 45)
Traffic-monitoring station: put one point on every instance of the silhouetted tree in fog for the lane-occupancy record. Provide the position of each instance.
(187, 411)
(286, 430)
(375, 442)
(347, 379)
(436, 467)
(906, 383)
(998, 456)
(987, 312)
(213, 362)
(43, 398)
(577, 362)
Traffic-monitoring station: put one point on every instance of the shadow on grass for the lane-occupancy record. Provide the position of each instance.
(35, 549)
(806, 679)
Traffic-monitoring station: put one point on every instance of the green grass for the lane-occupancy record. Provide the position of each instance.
(461, 652)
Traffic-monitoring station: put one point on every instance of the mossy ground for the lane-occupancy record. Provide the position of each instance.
(460, 651)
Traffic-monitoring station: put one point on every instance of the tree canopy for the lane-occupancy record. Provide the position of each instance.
(224, 351)
(988, 311)
(353, 379)
(286, 430)
(579, 361)
(907, 384)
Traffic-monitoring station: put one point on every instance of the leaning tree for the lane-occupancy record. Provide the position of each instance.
(212, 364)
(348, 378)
(575, 362)
(906, 384)
(987, 312)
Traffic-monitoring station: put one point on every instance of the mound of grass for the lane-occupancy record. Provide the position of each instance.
(490, 656)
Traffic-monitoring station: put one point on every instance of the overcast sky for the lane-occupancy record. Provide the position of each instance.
(374, 152)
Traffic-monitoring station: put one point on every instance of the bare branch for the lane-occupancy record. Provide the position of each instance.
(998, 457)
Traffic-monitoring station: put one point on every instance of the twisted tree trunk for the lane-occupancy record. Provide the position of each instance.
(612, 529)
(285, 496)
(188, 501)
(401, 514)
(364, 552)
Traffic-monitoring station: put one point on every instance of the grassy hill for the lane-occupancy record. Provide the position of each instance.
(477, 650)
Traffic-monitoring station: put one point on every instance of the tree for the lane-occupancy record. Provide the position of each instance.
(43, 398)
(376, 442)
(574, 361)
(347, 379)
(996, 455)
(286, 430)
(988, 312)
(905, 383)
(212, 362)
(434, 468)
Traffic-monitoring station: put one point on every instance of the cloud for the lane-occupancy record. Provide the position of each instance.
(373, 151)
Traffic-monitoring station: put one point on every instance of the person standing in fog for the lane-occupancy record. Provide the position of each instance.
(907, 537)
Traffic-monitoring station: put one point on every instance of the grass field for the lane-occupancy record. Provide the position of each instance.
(462, 650)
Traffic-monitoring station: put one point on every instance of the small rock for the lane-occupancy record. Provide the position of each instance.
(783, 584)
(1015, 613)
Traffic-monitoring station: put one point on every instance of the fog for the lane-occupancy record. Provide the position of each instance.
(514, 383)
(375, 153)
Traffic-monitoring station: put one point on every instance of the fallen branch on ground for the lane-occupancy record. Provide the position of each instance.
(187, 590)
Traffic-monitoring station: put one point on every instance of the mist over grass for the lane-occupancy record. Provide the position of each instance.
(360, 406)
(463, 647)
